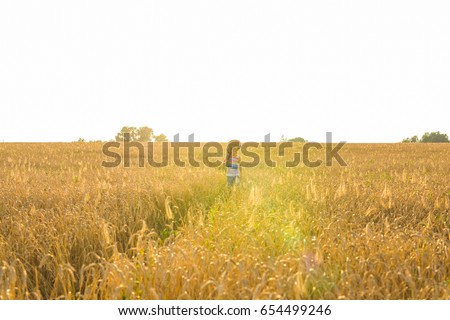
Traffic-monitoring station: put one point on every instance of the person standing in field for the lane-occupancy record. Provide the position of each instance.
(232, 163)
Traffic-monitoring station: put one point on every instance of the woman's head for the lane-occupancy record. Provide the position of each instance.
(233, 146)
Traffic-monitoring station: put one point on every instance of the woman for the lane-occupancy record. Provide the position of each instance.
(232, 163)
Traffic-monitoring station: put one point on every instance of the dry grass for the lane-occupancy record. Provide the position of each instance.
(377, 229)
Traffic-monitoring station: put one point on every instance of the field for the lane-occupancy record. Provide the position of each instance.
(376, 229)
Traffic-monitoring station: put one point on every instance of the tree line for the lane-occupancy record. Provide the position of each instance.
(428, 137)
(146, 134)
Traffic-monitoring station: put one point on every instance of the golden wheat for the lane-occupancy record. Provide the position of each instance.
(376, 229)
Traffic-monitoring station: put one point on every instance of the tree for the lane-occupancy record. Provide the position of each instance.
(144, 134)
(132, 131)
(434, 137)
(161, 137)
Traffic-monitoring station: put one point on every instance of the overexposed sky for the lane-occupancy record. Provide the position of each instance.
(369, 71)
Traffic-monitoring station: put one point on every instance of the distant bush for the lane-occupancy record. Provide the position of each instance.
(412, 139)
(296, 139)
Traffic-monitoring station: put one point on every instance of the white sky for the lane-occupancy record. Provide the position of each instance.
(369, 71)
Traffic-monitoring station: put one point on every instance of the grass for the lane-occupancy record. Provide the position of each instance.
(376, 229)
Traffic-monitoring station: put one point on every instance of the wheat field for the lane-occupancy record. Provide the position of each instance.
(378, 228)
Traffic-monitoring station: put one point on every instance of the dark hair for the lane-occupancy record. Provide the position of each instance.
(231, 145)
